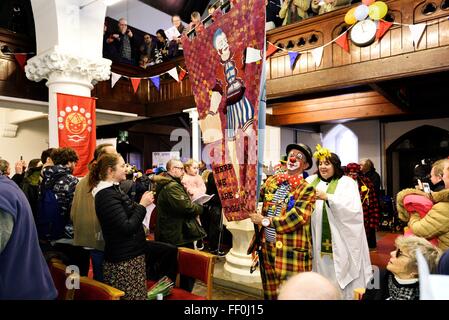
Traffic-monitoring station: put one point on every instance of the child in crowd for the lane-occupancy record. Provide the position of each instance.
(194, 185)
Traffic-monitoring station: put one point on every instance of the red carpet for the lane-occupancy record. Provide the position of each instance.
(385, 244)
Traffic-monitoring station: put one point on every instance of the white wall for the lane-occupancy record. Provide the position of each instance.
(140, 16)
(393, 130)
(31, 140)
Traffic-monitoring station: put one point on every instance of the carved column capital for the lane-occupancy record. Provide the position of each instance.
(44, 65)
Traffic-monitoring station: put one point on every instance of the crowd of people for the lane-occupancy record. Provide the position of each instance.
(318, 226)
(99, 218)
(284, 12)
(121, 45)
(322, 227)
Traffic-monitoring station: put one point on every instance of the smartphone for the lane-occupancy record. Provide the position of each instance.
(426, 187)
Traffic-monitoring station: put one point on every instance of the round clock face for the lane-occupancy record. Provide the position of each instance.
(363, 33)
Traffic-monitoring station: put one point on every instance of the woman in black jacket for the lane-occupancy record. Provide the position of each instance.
(121, 224)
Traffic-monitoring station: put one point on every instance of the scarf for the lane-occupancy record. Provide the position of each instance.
(326, 234)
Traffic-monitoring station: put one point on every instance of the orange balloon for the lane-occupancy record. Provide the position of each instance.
(378, 10)
(367, 2)
(350, 16)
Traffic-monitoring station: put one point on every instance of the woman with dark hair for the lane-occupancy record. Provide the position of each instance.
(340, 249)
(121, 224)
(162, 44)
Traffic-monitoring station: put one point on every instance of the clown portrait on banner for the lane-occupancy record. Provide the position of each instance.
(226, 85)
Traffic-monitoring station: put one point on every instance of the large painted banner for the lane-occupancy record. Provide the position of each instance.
(76, 128)
(225, 62)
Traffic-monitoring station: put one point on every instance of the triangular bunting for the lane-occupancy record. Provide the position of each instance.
(252, 55)
(21, 59)
(382, 28)
(114, 78)
(135, 82)
(156, 81)
(417, 30)
(174, 73)
(182, 74)
(343, 42)
(270, 50)
(317, 55)
(293, 57)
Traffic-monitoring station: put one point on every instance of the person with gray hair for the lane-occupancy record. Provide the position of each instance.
(308, 286)
(400, 280)
(176, 213)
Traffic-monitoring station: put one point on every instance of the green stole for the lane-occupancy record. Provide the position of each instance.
(326, 235)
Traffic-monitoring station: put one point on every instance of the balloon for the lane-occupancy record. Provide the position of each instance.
(367, 2)
(378, 10)
(350, 17)
(361, 12)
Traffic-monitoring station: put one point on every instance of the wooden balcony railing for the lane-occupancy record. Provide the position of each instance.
(393, 57)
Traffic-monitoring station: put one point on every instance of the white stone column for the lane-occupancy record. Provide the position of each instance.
(65, 74)
(196, 133)
(238, 263)
(69, 36)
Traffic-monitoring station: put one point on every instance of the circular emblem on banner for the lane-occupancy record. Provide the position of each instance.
(76, 121)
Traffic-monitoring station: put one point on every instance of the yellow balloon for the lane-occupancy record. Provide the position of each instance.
(378, 10)
(350, 16)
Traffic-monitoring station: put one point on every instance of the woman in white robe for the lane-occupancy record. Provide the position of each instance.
(347, 264)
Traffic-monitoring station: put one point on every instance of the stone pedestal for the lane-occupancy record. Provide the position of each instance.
(238, 263)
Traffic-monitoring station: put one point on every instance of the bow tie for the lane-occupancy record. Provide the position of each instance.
(293, 181)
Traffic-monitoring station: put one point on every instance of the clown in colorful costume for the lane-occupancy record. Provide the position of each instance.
(340, 249)
(239, 111)
(286, 242)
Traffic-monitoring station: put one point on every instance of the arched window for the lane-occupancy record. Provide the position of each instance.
(344, 143)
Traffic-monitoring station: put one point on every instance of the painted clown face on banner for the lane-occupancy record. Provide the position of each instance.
(221, 45)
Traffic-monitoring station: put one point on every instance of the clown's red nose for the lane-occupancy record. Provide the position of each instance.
(292, 159)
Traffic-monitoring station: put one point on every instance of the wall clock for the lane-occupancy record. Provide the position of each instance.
(363, 33)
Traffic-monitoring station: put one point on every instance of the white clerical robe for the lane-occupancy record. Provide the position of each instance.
(349, 267)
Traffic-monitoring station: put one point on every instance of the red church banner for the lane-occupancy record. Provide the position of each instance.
(225, 70)
(76, 128)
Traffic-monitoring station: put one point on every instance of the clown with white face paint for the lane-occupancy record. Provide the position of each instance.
(288, 201)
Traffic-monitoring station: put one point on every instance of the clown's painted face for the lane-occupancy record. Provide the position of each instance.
(296, 160)
(222, 46)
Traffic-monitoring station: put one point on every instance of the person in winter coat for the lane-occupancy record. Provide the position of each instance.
(121, 224)
(176, 213)
(435, 223)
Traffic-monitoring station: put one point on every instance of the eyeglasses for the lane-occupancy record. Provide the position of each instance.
(299, 156)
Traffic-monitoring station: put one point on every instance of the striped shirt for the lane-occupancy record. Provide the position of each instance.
(280, 195)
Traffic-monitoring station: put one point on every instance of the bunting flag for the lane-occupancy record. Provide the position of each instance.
(293, 57)
(252, 55)
(174, 73)
(382, 28)
(417, 31)
(114, 78)
(182, 74)
(156, 81)
(343, 42)
(135, 82)
(21, 59)
(76, 128)
(227, 96)
(317, 55)
(270, 50)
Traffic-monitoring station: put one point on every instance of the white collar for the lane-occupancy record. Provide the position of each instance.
(102, 185)
(406, 281)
